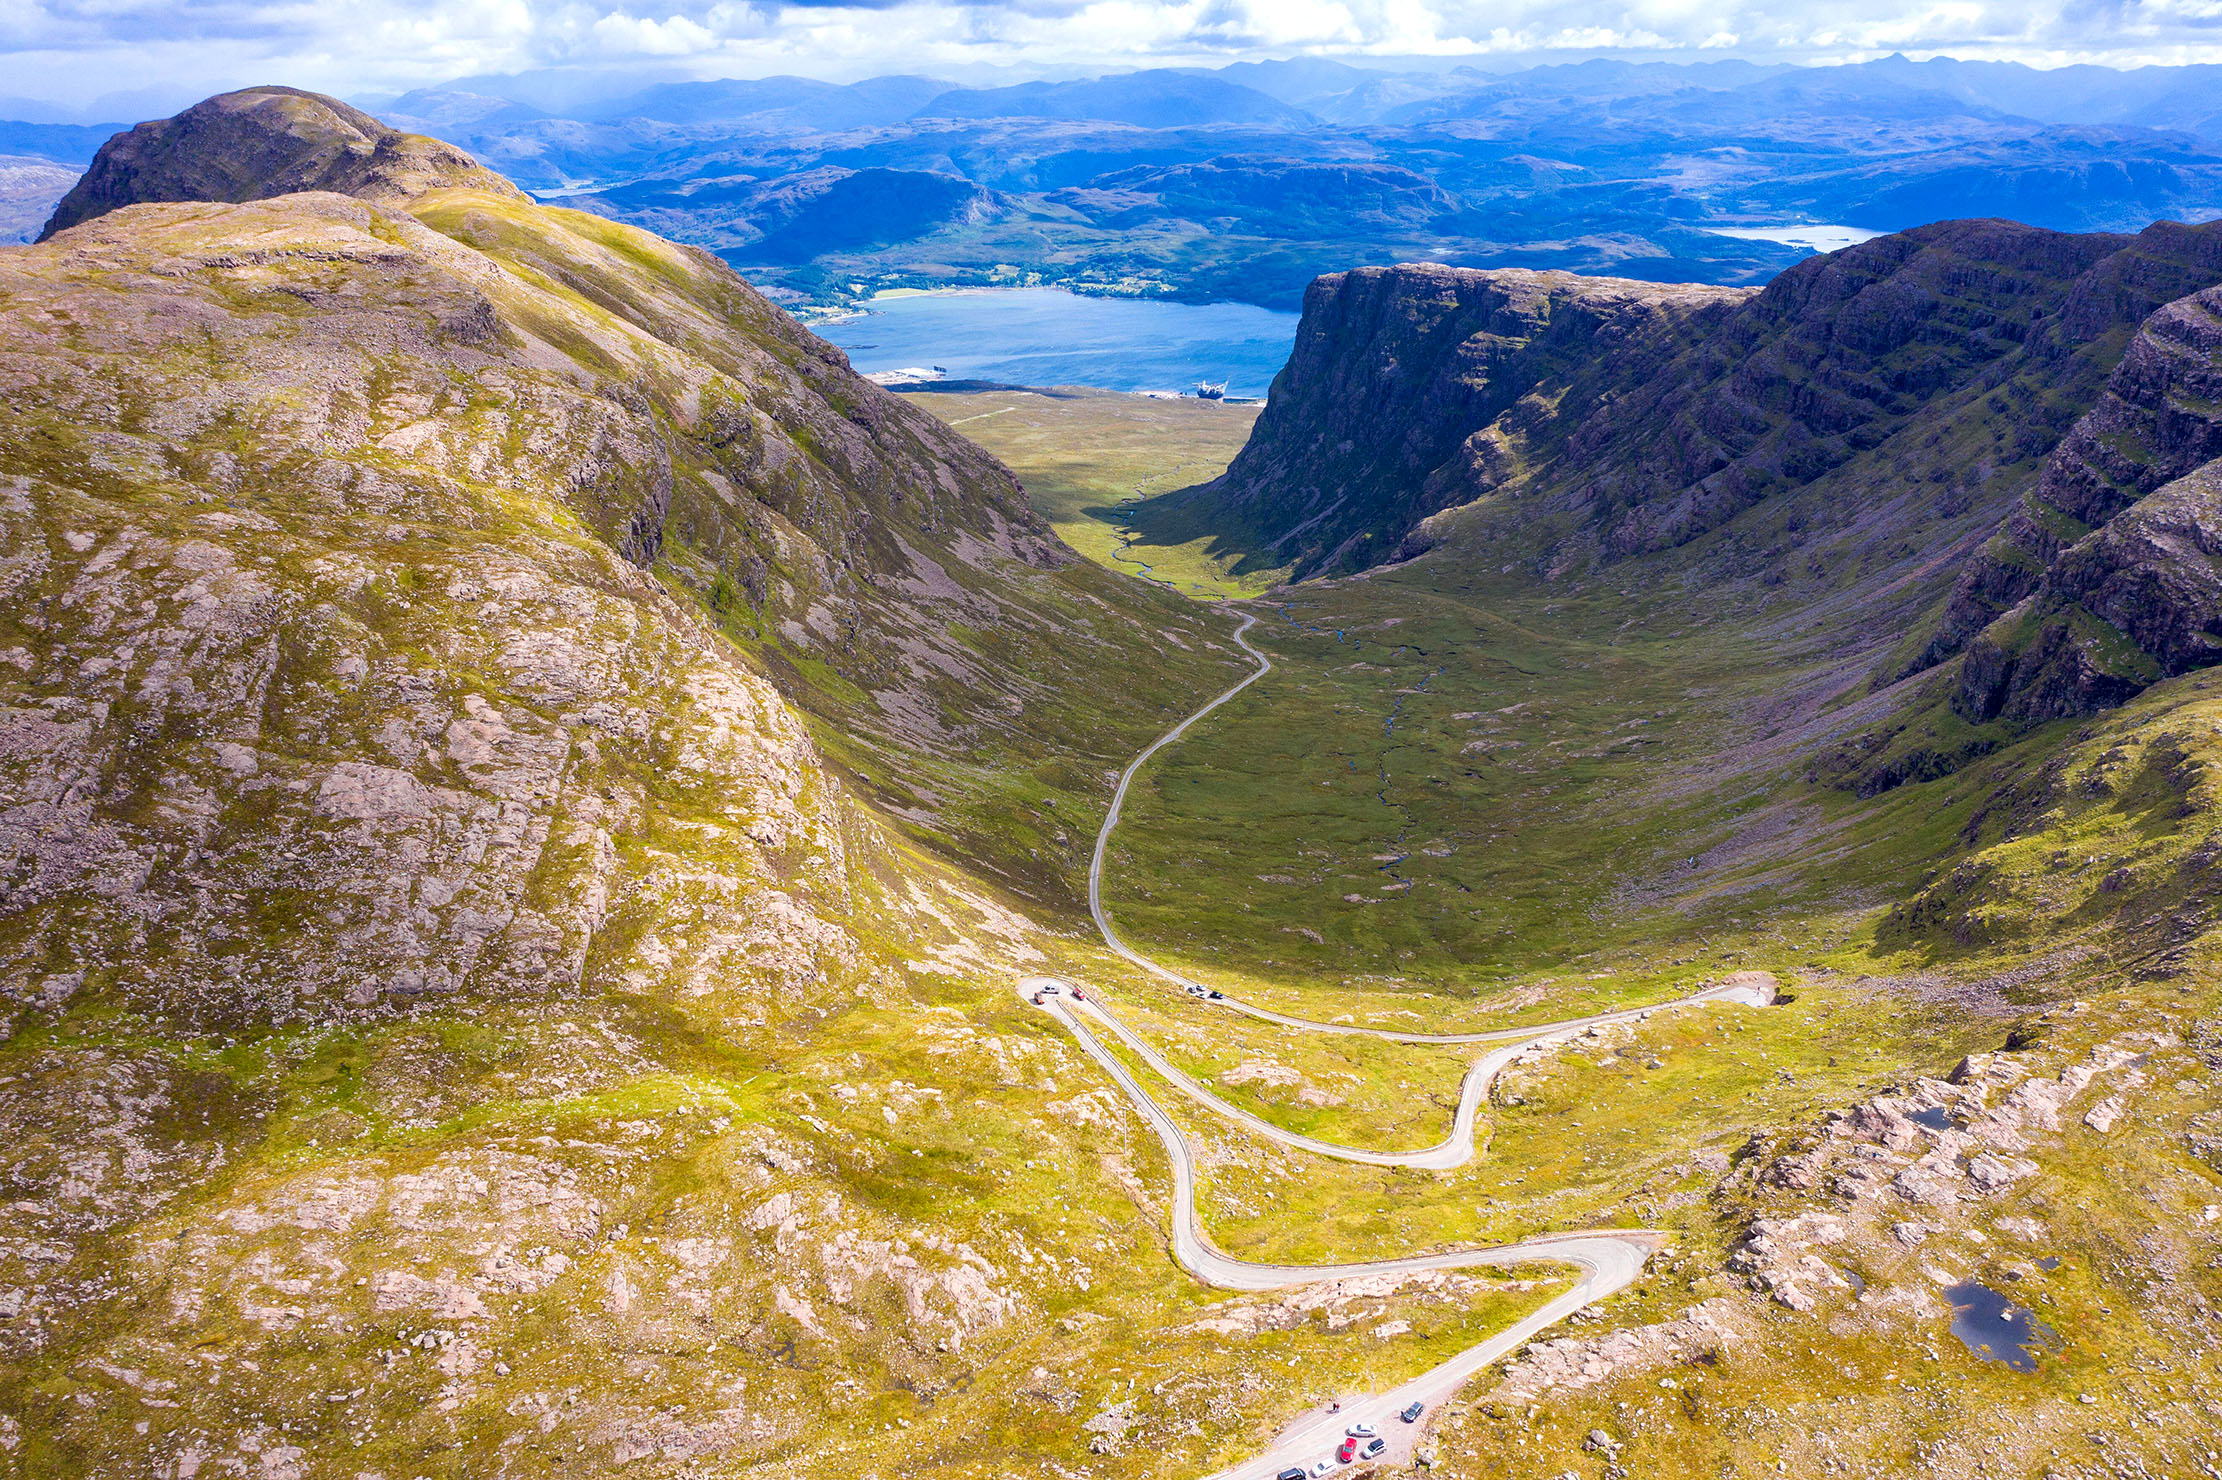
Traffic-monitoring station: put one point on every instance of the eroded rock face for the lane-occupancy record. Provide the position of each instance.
(2134, 601)
(1819, 367)
(2101, 593)
(2152, 572)
(2156, 421)
(1413, 388)
(261, 142)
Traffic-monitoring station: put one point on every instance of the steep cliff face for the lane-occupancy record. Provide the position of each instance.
(2132, 602)
(262, 142)
(1413, 388)
(1883, 408)
(1824, 364)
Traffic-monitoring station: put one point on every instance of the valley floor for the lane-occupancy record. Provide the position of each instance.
(1085, 454)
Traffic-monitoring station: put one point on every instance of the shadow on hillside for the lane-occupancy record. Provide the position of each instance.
(1193, 513)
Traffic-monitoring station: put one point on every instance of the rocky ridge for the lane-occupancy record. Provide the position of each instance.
(1414, 388)
(2095, 618)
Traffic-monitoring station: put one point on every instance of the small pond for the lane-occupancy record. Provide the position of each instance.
(1935, 1117)
(1996, 1329)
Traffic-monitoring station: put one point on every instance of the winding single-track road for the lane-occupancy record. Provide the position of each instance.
(1608, 1259)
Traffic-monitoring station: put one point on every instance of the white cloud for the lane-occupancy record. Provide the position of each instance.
(625, 36)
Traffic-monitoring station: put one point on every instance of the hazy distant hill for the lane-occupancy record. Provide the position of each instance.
(1158, 99)
(780, 102)
(1248, 181)
(797, 217)
(64, 143)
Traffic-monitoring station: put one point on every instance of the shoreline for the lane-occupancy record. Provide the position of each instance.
(960, 386)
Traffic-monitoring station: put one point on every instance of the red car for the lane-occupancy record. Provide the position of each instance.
(1349, 1450)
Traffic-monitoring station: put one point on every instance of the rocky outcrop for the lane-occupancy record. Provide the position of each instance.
(2134, 601)
(2155, 572)
(1568, 1364)
(261, 142)
(2109, 563)
(1818, 368)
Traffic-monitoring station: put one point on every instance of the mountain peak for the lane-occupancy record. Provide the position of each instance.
(261, 142)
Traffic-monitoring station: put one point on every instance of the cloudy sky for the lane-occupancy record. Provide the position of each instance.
(157, 53)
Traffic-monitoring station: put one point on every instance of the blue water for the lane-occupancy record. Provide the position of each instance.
(1043, 336)
(1996, 1329)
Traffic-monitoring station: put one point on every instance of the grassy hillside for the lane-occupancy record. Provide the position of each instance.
(443, 968)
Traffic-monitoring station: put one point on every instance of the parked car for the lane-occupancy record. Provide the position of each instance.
(1217, 996)
(1293, 1472)
(1321, 1467)
(1412, 1414)
(1037, 999)
(1374, 1447)
(1194, 990)
(1349, 1450)
(1360, 1431)
(1051, 989)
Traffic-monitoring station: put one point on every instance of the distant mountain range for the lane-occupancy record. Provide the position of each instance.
(1246, 182)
